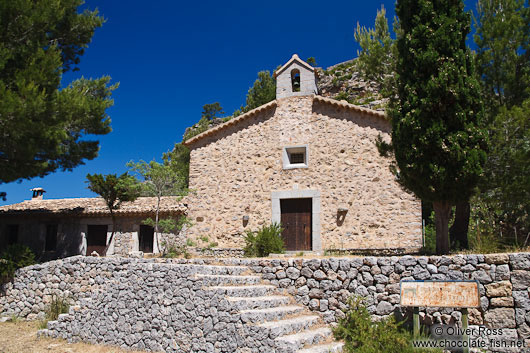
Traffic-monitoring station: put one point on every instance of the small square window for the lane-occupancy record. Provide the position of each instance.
(295, 157)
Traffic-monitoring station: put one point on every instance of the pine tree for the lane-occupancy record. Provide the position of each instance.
(263, 91)
(437, 117)
(503, 51)
(42, 125)
(114, 190)
(503, 60)
(377, 58)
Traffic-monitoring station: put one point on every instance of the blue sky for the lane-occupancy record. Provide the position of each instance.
(172, 57)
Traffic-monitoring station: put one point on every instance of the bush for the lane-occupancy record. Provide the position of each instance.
(13, 258)
(362, 335)
(265, 241)
(57, 306)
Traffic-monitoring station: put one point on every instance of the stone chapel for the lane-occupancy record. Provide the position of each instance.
(307, 162)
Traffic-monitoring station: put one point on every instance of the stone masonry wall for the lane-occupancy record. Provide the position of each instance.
(234, 173)
(321, 284)
(324, 285)
(159, 306)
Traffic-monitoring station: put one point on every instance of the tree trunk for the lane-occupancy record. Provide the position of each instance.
(112, 233)
(442, 210)
(458, 231)
(156, 223)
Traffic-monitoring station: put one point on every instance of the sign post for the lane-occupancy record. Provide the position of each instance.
(443, 294)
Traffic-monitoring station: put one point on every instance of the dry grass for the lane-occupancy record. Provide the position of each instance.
(16, 337)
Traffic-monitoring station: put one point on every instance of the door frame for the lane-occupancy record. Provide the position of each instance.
(314, 195)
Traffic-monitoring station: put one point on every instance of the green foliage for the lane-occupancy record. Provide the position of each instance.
(57, 306)
(158, 179)
(438, 124)
(114, 189)
(14, 257)
(311, 61)
(503, 56)
(263, 91)
(377, 57)
(361, 335)
(201, 127)
(430, 236)
(342, 95)
(166, 225)
(179, 161)
(265, 241)
(190, 242)
(172, 250)
(211, 111)
(500, 213)
(488, 233)
(506, 186)
(42, 125)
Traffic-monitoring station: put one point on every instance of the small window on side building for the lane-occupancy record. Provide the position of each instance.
(51, 237)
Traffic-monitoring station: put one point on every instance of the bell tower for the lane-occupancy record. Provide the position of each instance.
(295, 78)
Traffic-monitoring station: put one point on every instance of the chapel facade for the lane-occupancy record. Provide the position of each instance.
(307, 162)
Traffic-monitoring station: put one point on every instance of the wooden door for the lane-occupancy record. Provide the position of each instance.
(96, 239)
(146, 238)
(296, 223)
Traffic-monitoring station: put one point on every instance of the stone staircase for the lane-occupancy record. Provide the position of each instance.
(292, 327)
(261, 307)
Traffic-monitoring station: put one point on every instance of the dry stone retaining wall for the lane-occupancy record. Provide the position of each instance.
(323, 285)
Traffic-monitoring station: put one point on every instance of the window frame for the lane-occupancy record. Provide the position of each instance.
(286, 159)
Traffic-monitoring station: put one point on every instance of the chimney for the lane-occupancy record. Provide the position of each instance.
(37, 193)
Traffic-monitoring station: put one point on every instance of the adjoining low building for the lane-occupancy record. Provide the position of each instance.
(58, 228)
(308, 162)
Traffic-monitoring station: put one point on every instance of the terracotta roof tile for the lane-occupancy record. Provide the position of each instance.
(95, 206)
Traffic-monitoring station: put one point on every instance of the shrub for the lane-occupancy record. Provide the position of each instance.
(13, 258)
(57, 306)
(362, 335)
(265, 241)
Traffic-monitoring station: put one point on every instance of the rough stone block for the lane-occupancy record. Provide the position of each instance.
(500, 318)
(499, 289)
(502, 302)
(497, 259)
(520, 279)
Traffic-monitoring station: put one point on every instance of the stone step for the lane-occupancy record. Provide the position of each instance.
(269, 314)
(243, 291)
(220, 270)
(228, 279)
(293, 342)
(286, 326)
(334, 347)
(271, 301)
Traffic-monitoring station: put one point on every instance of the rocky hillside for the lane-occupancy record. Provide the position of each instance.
(341, 81)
